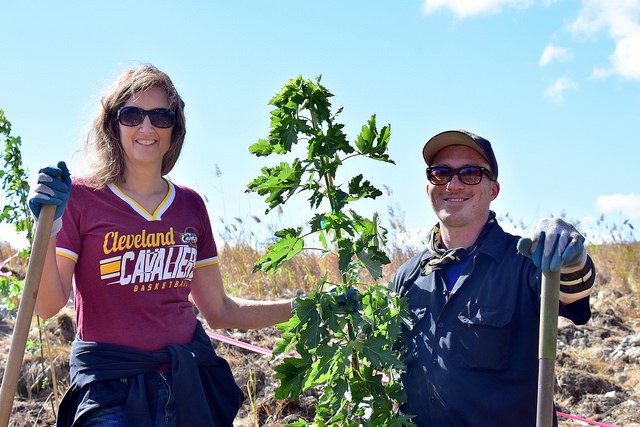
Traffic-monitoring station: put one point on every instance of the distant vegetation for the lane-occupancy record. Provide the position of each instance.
(617, 264)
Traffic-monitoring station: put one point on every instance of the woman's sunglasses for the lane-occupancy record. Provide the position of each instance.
(134, 116)
(469, 175)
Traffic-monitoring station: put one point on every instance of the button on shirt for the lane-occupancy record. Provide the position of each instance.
(472, 353)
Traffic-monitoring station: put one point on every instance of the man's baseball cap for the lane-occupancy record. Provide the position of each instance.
(460, 137)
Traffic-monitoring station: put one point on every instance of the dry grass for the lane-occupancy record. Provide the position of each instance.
(618, 277)
(298, 276)
(617, 287)
(617, 266)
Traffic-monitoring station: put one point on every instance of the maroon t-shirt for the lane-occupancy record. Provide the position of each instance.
(134, 268)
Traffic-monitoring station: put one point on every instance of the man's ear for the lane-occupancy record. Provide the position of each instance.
(495, 189)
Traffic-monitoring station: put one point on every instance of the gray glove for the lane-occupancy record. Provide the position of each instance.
(554, 244)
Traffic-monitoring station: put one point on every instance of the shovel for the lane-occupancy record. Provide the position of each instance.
(25, 311)
(547, 347)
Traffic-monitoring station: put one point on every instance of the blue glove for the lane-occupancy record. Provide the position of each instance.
(53, 188)
(553, 244)
(349, 300)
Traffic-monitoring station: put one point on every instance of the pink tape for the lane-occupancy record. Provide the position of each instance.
(240, 344)
(4, 263)
(573, 417)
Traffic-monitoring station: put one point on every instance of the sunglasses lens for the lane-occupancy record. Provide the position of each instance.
(162, 117)
(134, 116)
(470, 175)
(439, 175)
(130, 116)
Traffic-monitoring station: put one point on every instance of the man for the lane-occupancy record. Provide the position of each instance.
(474, 296)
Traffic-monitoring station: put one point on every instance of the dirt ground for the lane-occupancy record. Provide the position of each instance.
(597, 370)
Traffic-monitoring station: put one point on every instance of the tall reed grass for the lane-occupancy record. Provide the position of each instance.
(617, 260)
(617, 264)
(618, 276)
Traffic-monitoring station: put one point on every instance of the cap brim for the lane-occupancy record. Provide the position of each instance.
(444, 139)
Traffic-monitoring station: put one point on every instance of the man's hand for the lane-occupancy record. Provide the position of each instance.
(554, 244)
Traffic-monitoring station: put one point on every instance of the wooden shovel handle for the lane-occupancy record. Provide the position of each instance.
(25, 311)
(547, 347)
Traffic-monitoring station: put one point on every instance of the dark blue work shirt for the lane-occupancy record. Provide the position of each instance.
(472, 354)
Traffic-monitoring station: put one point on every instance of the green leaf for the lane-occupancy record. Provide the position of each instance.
(317, 223)
(373, 144)
(292, 375)
(278, 183)
(317, 99)
(261, 148)
(359, 189)
(345, 253)
(289, 244)
(378, 352)
(13, 180)
(321, 367)
(290, 91)
(309, 334)
(329, 144)
(369, 258)
(339, 197)
(317, 194)
(285, 127)
(333, 396)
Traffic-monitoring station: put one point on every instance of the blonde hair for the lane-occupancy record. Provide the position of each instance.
(102, 157)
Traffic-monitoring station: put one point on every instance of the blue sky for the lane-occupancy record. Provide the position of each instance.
(554, 85)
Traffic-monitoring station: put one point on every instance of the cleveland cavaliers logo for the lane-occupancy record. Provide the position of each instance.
(189, 237)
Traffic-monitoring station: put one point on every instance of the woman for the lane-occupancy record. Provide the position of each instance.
(136, 246)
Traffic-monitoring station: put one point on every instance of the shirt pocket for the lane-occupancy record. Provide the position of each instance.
(483, 337)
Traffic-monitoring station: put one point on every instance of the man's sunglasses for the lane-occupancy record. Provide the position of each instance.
(469, 175)
(134, 116)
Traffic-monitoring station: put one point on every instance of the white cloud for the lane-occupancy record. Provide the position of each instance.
(617, 219)
(600, 72)
(626, 58)
(621, 20)
(552, 53)
(556, 91)
(464, 8)
(627, 205)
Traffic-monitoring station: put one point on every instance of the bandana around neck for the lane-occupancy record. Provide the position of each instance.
(443, 256)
